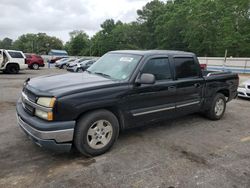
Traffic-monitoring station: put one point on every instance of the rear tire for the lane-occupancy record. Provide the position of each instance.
(35, 66)
(96, 132)
(12, 69)
(217, 108)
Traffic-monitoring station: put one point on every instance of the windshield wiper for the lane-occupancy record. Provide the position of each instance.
(88, 71)
(102, 74)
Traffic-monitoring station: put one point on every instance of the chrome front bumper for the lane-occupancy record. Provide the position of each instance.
(59, 135)
(56, 136)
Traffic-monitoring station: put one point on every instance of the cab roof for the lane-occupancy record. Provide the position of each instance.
(153, 52)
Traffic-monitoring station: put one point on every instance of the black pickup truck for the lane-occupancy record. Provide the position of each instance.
(123, 89)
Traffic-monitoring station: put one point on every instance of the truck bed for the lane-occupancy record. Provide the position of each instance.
(213, 73)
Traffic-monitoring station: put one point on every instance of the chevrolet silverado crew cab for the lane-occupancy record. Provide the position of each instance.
(11, 61)
(122, 90)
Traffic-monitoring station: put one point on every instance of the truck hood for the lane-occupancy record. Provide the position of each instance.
(59, 85)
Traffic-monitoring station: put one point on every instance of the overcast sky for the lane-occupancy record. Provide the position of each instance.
(59, 17)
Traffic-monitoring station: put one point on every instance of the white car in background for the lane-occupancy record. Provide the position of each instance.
(11, 61)
(244, 89)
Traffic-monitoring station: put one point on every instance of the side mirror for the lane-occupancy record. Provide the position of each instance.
(146, 79)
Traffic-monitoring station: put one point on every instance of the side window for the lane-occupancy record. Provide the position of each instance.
(15, 54)
(159, 67)
(186, 67)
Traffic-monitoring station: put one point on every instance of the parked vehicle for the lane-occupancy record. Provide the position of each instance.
(79, 60)
(11, 61)
(56, 59)
(123, 89)
(63, 63)
(203, 67)
(244, 89)
(34, 61)
(82, 59)
(80, 66)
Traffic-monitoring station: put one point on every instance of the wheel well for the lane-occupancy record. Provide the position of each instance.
(112, 109)
(9, 64)
(224, 92)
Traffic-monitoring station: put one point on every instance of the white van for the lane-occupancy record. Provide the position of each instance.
(11, 61)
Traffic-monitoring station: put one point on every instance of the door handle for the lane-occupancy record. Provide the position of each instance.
(197, 85)
(171, 88)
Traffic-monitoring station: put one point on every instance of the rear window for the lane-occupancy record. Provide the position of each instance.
(15, 54)
(38, 56)
(28, 56)
(186, 67)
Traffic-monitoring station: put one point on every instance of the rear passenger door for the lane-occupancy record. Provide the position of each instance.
(189, 84)
(149, 102)
(17, 57)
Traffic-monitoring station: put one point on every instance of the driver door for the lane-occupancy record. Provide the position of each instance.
(149, 102)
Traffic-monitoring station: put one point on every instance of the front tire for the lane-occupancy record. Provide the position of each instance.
(96, 132)
(217, 108)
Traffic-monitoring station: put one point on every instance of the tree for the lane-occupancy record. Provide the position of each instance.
(6, 43)
(79, 43)
(37, 43)
(147, 17)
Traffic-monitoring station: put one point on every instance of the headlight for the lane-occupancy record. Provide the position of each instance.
(46, 101)
(242, 85)
(44, 115)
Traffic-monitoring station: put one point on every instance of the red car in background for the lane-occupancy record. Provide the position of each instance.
(203, 66)
(34, 61)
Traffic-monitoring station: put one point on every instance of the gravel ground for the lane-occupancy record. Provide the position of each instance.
(187, 152)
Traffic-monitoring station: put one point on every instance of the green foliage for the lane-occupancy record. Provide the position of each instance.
(79, 43)
(37, 43)
(116, 36)
(6, 43)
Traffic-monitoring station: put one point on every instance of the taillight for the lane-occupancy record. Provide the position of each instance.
(25, 61)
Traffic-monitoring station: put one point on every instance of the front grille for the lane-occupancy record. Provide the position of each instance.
(32, 97)
(29, 109)
(29, 94)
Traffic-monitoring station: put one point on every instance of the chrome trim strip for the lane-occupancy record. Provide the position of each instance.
(187, 104)
(59, 136)
(152, 111)
(164, 109)
(37, 106)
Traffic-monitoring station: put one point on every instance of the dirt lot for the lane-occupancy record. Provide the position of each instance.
(188, 152)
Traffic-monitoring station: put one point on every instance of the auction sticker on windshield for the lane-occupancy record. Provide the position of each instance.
(127, 59)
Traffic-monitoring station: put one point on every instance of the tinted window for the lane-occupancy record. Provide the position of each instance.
(28, 56)
(38, 56)
(15, 54)
(186, 67)
(159, 67)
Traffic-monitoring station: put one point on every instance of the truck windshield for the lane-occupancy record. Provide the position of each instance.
(115, 66)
